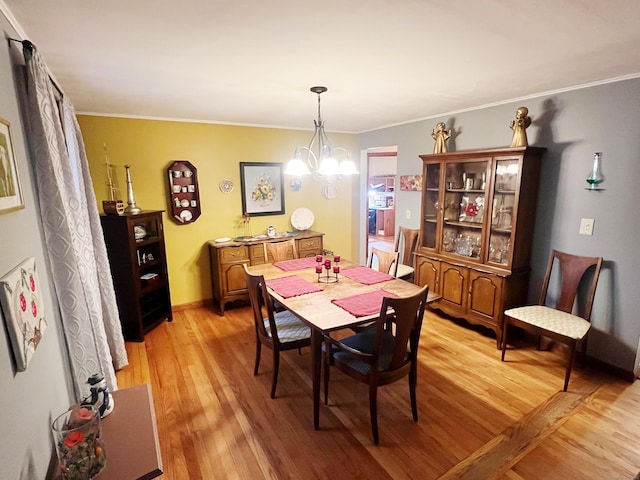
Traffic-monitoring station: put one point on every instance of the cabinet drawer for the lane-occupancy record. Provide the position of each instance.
(233, 254)
(256, 253)
(309, 245)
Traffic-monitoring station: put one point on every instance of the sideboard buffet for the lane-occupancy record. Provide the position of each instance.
(227, 259)
(477, 218)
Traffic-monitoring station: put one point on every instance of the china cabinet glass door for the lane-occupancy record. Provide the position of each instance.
(464, 208)
(431, 205)
(506, 177)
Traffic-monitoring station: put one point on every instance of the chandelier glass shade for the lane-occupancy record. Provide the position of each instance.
(318, 158)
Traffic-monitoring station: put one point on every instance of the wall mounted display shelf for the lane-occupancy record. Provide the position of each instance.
(184, 197)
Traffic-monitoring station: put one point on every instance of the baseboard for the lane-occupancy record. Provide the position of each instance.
(186, 306)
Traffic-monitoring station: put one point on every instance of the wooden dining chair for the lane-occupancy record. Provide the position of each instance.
(278, 331)
(381, 355)
(406, 242)
(558, 322)
(280, 251)
(383, 260)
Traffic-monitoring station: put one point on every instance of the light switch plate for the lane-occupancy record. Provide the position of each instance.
(586, 226)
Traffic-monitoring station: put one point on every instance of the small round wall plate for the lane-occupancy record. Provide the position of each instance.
(330, 191)
(184, 203)
(226, 186)
(295, 184)
(186, 215)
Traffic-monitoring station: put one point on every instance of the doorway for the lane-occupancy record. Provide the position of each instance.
(382, 165)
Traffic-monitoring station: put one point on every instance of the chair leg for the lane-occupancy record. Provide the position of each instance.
(258, 350)
(572, 351)
(373, 410)
(413, 380)
(583, 355)
(276, 366)
(327, 364)
(505, 330)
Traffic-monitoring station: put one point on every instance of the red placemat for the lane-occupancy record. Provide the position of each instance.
(292, 286)
(365, 275)
(297, 264)
(364, 303)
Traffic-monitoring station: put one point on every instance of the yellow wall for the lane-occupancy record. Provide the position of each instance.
(150, 146)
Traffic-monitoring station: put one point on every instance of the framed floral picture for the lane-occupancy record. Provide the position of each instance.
(22, 310)
(262, 188)
(10, 191)
(411, 182)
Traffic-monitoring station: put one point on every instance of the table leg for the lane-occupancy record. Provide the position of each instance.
(316, 362)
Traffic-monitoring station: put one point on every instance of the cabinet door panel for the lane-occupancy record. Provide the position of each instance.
(426, 273)
(485, 294)
(234, 280)
(453, 284)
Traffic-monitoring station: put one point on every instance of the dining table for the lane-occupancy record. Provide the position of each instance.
(329, 301)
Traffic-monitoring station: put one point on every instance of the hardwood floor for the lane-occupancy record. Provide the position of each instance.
(382, 242)
(479, 418)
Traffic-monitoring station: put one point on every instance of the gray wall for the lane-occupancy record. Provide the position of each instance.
(572, 126)
(29, 400)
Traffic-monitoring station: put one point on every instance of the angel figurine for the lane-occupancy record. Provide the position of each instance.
(519, 127)
(440, 135)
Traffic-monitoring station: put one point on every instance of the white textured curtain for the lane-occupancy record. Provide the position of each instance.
(73, 233)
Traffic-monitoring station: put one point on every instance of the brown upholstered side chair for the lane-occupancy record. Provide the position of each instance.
(559, 323)
(381, 355)
(278, 331)
(384, 261)
(280, 251)
(406, 242)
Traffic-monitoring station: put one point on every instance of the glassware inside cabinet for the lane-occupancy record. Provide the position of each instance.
(431, 206)
(464, 208)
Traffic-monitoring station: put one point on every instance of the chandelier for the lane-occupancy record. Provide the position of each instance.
(320, 162)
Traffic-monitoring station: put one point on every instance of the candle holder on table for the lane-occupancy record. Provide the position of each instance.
(325, 264)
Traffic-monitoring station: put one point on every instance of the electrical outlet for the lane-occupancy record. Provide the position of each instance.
(407, 214)
(586, 226)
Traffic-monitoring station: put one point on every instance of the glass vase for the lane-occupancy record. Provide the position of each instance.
(79, 445)
(595, 176)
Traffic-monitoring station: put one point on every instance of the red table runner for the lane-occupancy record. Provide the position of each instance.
(297, 264)
(363, 304)
(365, 275)
(292, 286)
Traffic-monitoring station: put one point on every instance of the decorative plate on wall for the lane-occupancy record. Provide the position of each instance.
(330, 191)
(302, 218)
(295, 184)
(226, 186)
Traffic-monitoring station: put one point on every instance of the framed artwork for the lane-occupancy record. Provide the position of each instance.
(411, 182)
(10, 190)
(262, 188)
(22, 310)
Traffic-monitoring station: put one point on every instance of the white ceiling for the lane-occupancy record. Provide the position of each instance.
(385, 62)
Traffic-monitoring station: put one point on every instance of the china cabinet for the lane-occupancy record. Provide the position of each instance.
(228, 258)
(136, 250)
(478, 214)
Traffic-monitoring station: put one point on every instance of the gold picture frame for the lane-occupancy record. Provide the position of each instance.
(10, 189)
